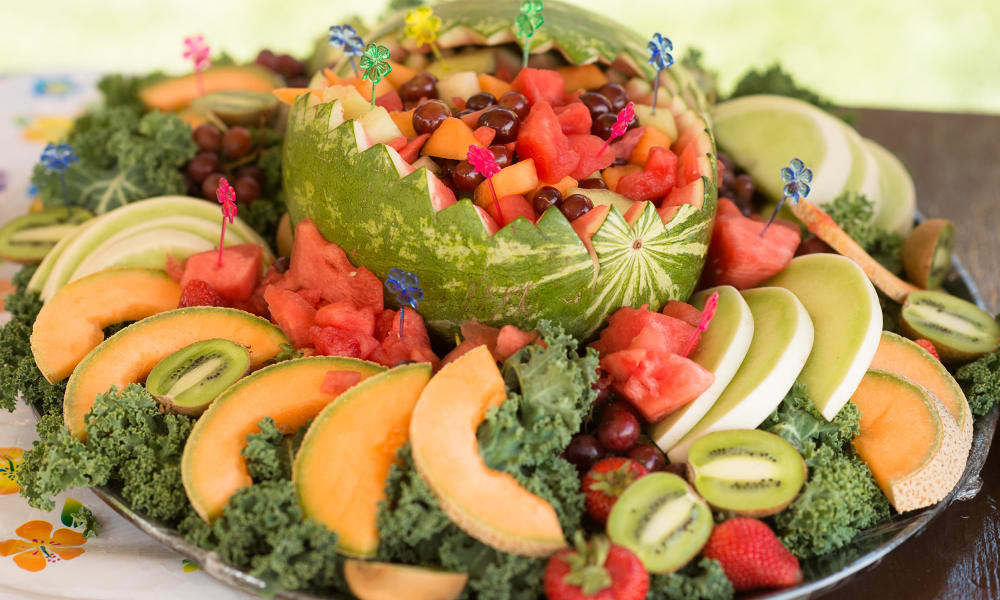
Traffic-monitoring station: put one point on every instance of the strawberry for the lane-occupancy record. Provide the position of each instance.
(199, 293)
(928, 346)
(751, 555)
(607, 480)
(596, 571)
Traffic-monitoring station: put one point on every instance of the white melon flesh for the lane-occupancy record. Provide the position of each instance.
(896, 201)
(355, 105)
(379, 126)
(844, 308)
(607, 197)
(145, 249)
(662, 119)
(864, 177)
(462, 84)
(721, 351)
(782, 339)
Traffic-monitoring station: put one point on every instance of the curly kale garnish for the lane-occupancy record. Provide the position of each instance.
(980, 381)
(82, 517)
(776, 80)
(854, 213)
(702, 580)
(267, 453)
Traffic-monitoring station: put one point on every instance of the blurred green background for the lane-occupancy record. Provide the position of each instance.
(918, 54)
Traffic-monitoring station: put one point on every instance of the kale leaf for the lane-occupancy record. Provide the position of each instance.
(266, 454)
(82, 517)
(776, 80)
(120, 90)
(980, 381)
(854, 212)
(704, 580)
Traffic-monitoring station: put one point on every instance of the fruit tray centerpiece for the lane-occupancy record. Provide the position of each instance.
(502, 303)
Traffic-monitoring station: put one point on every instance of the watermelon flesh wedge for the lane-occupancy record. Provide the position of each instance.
(593, 155)
(540, 85)
(683, 311)
(542, 139)
(739, 256)
(655, 180)
(346, 315)
(652, 330)
(238, 276)
(574, 118)
(655, 383)
(292, 313)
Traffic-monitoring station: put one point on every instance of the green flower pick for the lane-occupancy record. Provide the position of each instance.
(527, 23)
(375, 65)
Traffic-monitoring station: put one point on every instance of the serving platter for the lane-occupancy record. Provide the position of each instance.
(822, 574)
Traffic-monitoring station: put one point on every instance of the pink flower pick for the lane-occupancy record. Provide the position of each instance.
(711, 305)
(198, 53)
(227, 198)
(483, 161)
(625, 116)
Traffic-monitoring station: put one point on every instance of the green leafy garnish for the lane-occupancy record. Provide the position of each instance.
(702, 580)
(854, 214)
(266, 454)
(776, 80)
(980, 381)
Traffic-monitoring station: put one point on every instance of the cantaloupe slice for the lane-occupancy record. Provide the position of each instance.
(489, 505)
(493, 85)
(516, 179)
(651, 138)
(898, 355)
(387, 581)
(174, 93)
(290, 392)
(363, 428)
(70, 324)
(129, 355)
(582, 77)
(908, 439)
(451, 140)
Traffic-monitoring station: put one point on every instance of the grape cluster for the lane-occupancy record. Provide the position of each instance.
(232, 155)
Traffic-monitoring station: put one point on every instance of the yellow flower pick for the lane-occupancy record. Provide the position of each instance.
(422, 26)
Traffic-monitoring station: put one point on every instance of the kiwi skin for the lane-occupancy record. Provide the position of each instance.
(950, 355)
(927, 252)
(52, 223)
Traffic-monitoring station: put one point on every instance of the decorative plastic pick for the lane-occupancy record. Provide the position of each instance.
(711, 305)
(796, 178)
(483, 161)
(375, 65)
(57, 158)
(198, 53)
(227, 198)
(527, 23)
(660, 57)
(422, 26)
(348, 40)
(625, 116)
(406, 287)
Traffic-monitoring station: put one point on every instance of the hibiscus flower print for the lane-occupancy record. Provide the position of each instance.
(39, 546)
(10, 461)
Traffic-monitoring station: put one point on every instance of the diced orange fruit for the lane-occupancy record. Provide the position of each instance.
(612, 175)
(364, 88)
(404, 120)
(399, 74)
(493, 85)
(651, 138)
(516, 179)
(451, 140)
(582, 77)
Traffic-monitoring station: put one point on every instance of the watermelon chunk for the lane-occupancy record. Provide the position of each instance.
(413, 345)
(655, 180)
(574, 118)
(540, 85)
(390, 101)
(541, 138)
(656, 383)
(292, 313)
(739, 256)
(346, 315)
(683, 311)
(592, 158)
(411, 150)
(336, 382)
(442, 196)
(687, 165)
(502, 343)
(334, 341)
(665, 333)
(626, 144)
(238, 276)
(512, 207)
(510, 339)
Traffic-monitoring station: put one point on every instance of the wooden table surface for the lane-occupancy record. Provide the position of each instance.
(953, 161)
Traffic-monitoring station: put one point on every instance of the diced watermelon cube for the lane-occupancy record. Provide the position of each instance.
(238, 276)
(625, 325)
(413, 345)
(442, 196)
(681, 310)
(541, 138)
(656, 383)
(574, 118)
(739, 256)
(687, 165)
(337, 382)
(411, 150)
(397, 143)
(346, 315)
(510, 339)
(479, 334)
(592, 158)
(512, 207)
(540, 85)
(292, 313)
(390, 101)
(655, 181)
(334, 341)
(484, 135)
(465, 346)
(624, 145)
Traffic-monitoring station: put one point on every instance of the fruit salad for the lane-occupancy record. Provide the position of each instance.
(624, 363)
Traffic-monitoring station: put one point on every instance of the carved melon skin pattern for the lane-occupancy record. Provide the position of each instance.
(520, 275)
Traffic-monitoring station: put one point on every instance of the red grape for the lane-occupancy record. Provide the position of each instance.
(583, 451)
(237, 142)
(619, 430)
(648, 456)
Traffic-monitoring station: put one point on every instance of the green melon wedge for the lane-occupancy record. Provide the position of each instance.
(864, 175)
(896, 200)
(37, 281)
(721, 351)
(845, 311)
(145, 249)
(782, 339)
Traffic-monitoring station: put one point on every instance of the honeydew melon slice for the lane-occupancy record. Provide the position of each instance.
(845, 311)
(782, 339)
(864, 177)
(37, 281)
(721, 350)
(144, 249)
(662, 120)
(896, 200)
(608, 197)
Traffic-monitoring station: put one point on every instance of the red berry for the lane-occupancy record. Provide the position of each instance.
(752, 556)
(648, 456)
(199, 293)
(599, 570)
(619, 429)
(607, 480)
(928, 346)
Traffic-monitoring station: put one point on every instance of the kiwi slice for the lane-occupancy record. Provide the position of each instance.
(239, 107)
(927, 252)
(746, 471)
(960, 330)
(188, 380)
(662, 520)
(28, 238)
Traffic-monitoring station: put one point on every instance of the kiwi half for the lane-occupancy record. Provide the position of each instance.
(662, 520)
(28, 238)
(960, 330)
(746, 471)
(239, 107)
(927, 252)
(188, 380)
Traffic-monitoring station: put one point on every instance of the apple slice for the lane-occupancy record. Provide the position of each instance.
(782, 339)
(845, 311)
(721, 351)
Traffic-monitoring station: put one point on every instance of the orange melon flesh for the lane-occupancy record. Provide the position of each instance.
(901, 356)
(516, 179)
(129, 355)
(70, 324)
(290, 392)
(363, 428)
(177, 92)
(489, 505)
(451, 140)
(908, 440)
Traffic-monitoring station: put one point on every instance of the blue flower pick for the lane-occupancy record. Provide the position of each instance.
(347, 39)
(56, 158)
(796, 177)
(406, 287)
(659, 56)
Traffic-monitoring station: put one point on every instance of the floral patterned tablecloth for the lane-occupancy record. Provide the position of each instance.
(44, 555)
